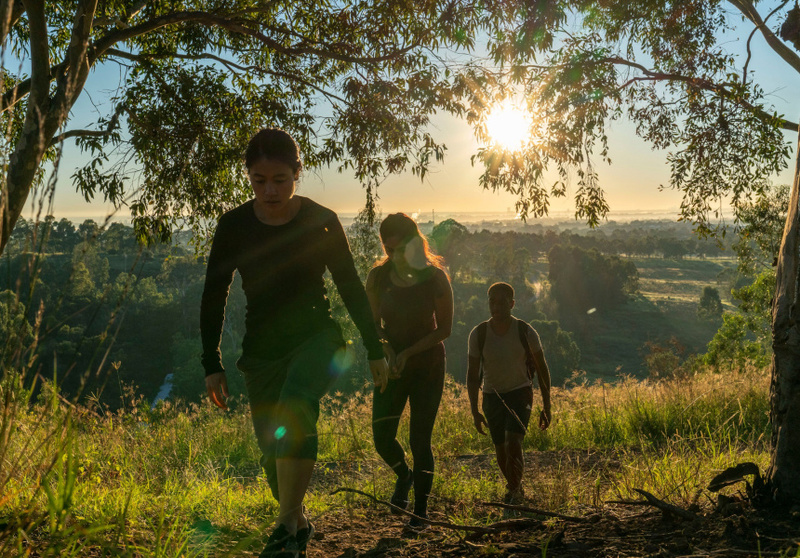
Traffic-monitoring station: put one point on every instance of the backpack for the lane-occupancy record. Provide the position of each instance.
(522, 328)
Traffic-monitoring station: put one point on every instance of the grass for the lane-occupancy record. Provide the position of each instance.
(183, 480)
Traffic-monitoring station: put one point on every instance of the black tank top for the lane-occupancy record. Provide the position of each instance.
(408, 314)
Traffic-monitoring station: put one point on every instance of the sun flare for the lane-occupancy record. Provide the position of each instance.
(509, 126)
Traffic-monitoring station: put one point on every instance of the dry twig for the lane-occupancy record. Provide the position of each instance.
(651, 500)
(505, 525)
(537, 511)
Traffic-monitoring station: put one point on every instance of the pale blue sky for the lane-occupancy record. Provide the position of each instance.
(631, 182)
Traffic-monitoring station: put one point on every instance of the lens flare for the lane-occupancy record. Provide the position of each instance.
(342, 360)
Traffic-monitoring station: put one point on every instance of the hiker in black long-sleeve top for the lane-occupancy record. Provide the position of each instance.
(282, 276)
(292, 350)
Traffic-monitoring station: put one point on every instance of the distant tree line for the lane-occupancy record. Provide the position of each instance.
(513, 250)
(99, 311)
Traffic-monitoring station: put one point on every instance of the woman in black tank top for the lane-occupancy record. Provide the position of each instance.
(412, 304)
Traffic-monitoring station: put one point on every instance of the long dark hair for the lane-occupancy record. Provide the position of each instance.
(273, 144)
(402, 226)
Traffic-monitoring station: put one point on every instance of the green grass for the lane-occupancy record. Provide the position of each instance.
(183, 480)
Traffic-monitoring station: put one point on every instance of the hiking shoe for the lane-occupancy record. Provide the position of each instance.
(514, 497)
(281, 544)
(401, 489)
(415, 526)
(303, 536)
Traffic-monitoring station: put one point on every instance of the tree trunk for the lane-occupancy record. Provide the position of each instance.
(44, 114)
(783, 476)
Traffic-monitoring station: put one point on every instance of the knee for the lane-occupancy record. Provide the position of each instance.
(422, 451)
(383, 439)
(513, 442)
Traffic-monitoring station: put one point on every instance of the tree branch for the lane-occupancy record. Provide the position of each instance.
(651, 500)
(750, 12)
(72, 79)
(227, 63)
(79, 134)
(750, 39)
(698, 83)
(106, 43)
(238, 27)
(40, 57)
(499, 526)
(537, 511)
(23, 88)
(113, 124)
(10, 13)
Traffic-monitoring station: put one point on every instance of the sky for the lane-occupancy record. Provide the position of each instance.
(631, 183)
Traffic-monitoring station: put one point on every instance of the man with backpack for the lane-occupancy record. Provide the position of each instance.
(504, 354)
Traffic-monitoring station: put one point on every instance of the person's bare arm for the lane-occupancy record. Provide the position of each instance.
(543, 376)
(473, 388)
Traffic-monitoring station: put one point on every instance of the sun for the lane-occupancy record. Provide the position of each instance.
(509, 126)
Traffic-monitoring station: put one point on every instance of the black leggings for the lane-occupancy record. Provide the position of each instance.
(422, 388)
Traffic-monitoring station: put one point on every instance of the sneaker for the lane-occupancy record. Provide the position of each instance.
(401, 489)
(514, 497)
(303, 536)
(281, 544)
(416, 526)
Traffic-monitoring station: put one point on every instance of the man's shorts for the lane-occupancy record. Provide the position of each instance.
(507, 412)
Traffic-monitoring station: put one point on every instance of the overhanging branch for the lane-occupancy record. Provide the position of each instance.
(698, 83)
(113, 124)
(233, 66)
(106, 43)
(235, 26)
(80, 134)
(750, 40)
(748, 9)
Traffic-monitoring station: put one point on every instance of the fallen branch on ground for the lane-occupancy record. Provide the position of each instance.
(505, 525)
(537, 511)
(651, 500)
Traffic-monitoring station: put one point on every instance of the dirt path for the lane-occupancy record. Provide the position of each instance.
(616, 532)
(362, 528)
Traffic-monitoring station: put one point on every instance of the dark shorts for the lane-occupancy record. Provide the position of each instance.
(285, 393)
(507, 412)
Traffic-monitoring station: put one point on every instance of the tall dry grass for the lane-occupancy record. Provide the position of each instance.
(182, 480)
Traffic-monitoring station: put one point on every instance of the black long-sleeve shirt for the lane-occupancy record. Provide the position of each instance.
(282, 271)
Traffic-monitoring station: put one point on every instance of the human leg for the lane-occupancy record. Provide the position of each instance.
(507, 415)
(502, 459)
(424, 399)
(312, 368)
(517, 405)
(387, 408)
(264, 380)
(494, 410)
(514, 462)
(293, 478)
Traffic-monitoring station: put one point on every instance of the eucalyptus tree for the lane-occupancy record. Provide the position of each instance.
(355, 81)
(673, 69)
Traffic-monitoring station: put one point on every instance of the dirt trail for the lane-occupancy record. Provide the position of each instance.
(362, 528)
(618, 531)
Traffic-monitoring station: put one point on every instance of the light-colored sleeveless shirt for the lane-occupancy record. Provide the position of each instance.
(504, 358)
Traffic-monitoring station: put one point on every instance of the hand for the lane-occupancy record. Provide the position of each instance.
(217, 387)
(545, 417)
(391, 358)
(380, 373)
(480, 421)
(399, 364)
